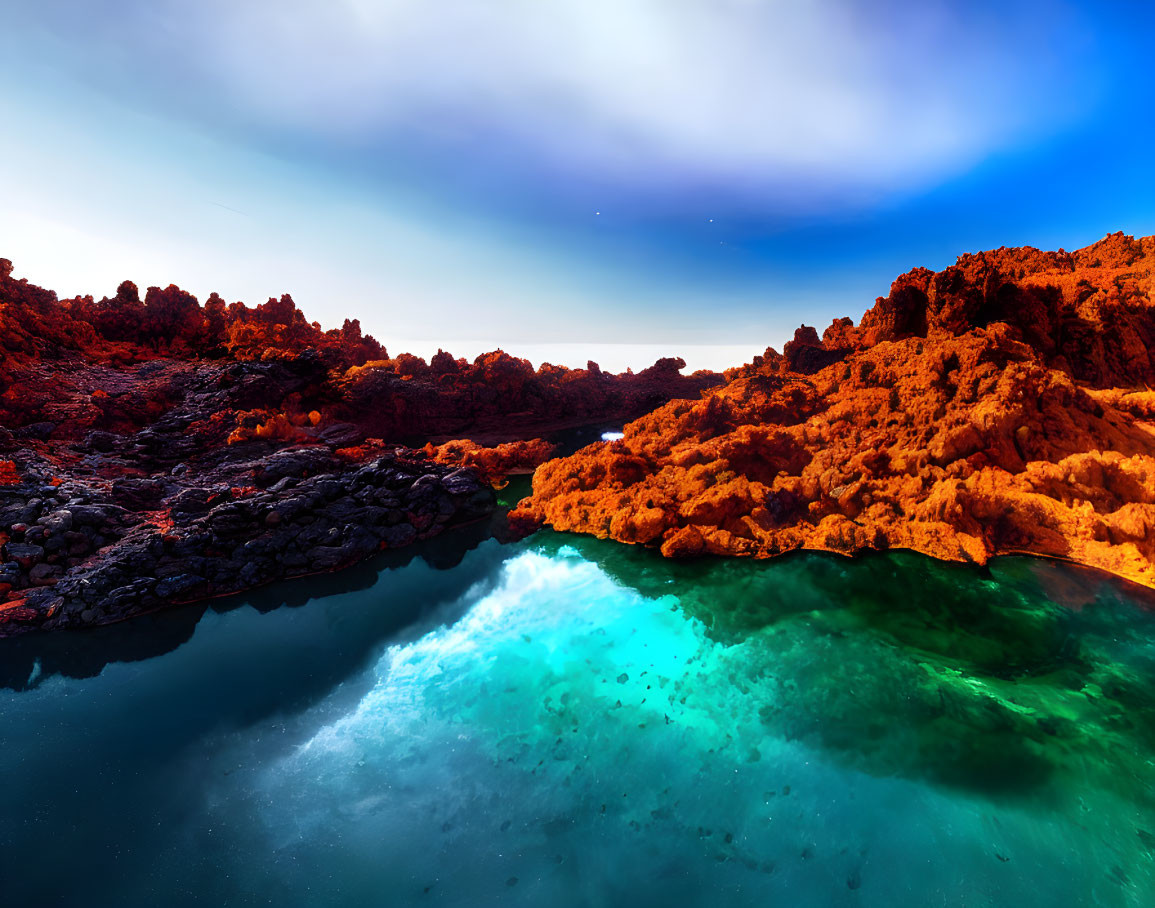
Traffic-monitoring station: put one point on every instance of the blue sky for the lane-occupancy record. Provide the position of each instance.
(651, 174)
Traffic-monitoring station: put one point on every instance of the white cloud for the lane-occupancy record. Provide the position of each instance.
(95, 195)
(789, 107)
(808, 98)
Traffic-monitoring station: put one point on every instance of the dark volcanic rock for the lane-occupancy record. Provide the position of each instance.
(101, 441)
(161, 450)
(25, 555)
(139, 494)
(220, 543)
(37, 430)
(294, 463)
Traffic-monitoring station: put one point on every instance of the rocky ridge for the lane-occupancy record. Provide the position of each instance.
(1001, 405)
(158, 451)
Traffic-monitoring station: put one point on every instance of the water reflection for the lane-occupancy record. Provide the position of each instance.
(568, 721)
(30, 659)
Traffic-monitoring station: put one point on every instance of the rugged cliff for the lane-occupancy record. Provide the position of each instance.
(1001, 405)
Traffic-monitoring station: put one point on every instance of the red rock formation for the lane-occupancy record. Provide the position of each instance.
(146, 442)
(499, 397)
(119, 364)
(168, 322)
(493, 464)
(1001, 405)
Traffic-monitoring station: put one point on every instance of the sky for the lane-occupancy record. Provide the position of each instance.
(619, 179)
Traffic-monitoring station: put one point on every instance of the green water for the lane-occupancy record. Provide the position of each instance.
(566, 722)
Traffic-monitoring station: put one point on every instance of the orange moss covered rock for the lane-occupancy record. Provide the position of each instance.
(9, 475)
(494, 464)
(1002, 405)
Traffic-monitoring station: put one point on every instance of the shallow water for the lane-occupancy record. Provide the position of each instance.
(572, 722)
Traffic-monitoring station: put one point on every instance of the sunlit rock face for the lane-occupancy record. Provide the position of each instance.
(497, 462)
(1001, 405)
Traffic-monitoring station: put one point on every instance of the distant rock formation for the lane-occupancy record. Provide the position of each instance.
(493, 464)
(1002, 405)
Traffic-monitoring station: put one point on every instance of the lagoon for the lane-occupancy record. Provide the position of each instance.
(568, 722)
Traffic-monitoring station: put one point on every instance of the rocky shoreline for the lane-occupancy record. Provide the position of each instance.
(1002, 405)
(158, 451)
(81, 557)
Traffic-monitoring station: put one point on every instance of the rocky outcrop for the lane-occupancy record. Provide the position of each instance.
(1002, 405)
(494, 464)
(69, 367)
(35, 324)
(80, 556)
(499, 397)
(158, 451)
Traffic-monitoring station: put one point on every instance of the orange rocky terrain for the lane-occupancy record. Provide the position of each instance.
(1001, 405)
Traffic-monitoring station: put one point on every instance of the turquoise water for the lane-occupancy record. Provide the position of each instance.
(566, 722)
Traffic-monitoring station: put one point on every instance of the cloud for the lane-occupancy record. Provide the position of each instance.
(799, 102)
(435, 166)
(95, 194)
